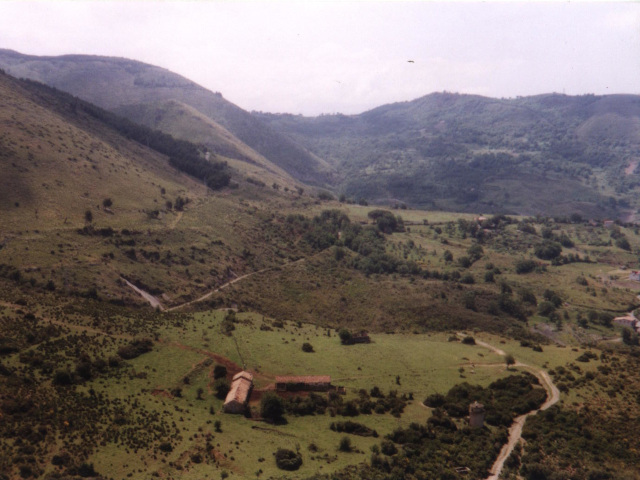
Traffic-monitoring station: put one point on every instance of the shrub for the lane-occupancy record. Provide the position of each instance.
(345, 444)
(222, 387)
(345, 336)
(271, 407)
(166, 447)
(546, 308)
(468, 340)
(307, 347)
(62, 377)
(548, 250)
(219, 371)
(467, 279)
(288, 459)
(623, 243)
(135, 348)
(525, 266)
(388, 447)
(435, 400)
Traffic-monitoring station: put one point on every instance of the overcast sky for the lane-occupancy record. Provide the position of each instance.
(326, 57)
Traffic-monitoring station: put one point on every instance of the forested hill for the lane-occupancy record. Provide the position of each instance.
(113, 83)
(550, 154)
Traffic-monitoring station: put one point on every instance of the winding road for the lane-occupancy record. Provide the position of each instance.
(515, 431)
(155, 303)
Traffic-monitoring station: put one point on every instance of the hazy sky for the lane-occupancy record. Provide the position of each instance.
(329, 56)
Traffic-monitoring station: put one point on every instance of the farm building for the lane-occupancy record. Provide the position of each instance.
(238, 396)
(628, 321)
(362, 337)
(293, 383)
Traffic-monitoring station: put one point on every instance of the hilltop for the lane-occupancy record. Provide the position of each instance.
(547, 154)
(112, 83)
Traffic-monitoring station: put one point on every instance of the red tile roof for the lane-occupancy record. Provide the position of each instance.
(240, 388)
(308, 379)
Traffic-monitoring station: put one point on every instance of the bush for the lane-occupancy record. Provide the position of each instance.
(468, 340)
(219, 371)
(548, 250)
(435, 400)
(525, 266)
(546, 308)
(388, 447)
(288, 459)
(62, 377)
(271, 407)
(623, 243)
(222, 387)
(307, 347)
(345, 336)
(166, 447)
(345, 444)
(135, 348)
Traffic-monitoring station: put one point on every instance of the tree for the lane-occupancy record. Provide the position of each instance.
(107, 202)
(271, 407)
(219, 371)
(548, 250)
(509, 360)
(288, 459)
(345, 336)
(345, 444)
(623, 243)
(628, 337)
(222, 387)
(88, 216)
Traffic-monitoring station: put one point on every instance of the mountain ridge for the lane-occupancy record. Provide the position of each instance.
(113, 82)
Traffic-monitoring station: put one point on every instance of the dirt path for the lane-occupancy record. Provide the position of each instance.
(175, 222)
(155, 303)
(515, 431)
(235, 280)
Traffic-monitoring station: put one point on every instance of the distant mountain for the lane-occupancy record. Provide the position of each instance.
(549, 154)
(121, 84)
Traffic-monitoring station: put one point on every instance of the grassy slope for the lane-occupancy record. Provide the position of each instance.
(187, 123)
(127, 82)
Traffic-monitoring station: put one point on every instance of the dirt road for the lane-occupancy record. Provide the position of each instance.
(225, 285)
(515, 431)
(155, 303)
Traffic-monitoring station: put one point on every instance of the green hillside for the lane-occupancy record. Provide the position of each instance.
(549, 154)
(138, 275)
(187, 123)
(116, 82)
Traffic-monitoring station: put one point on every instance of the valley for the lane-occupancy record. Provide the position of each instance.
(141, 270)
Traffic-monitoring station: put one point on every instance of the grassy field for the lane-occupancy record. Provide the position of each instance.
(425, 364)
